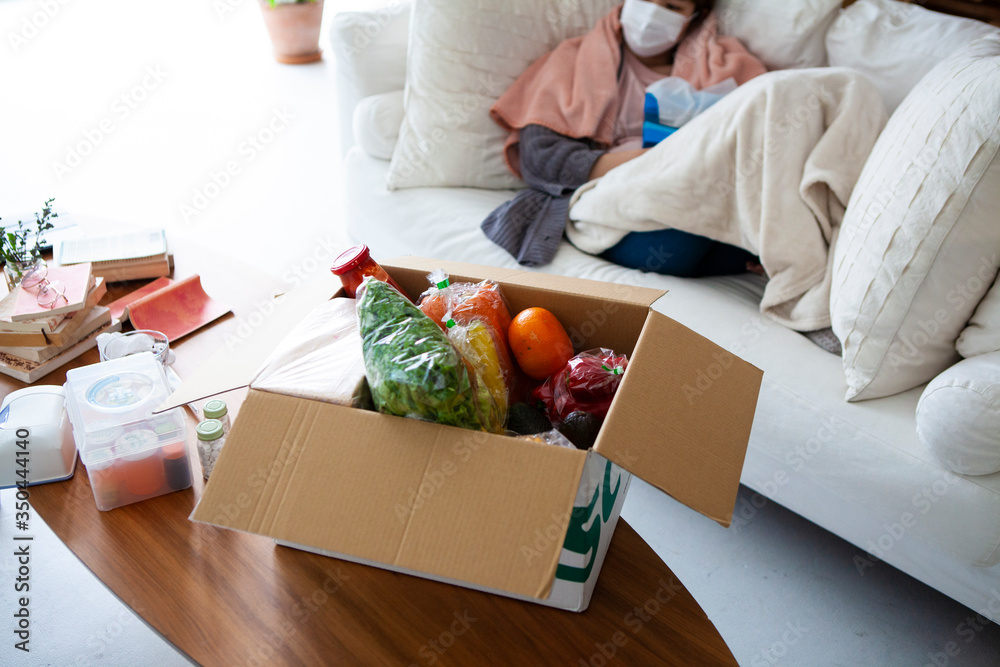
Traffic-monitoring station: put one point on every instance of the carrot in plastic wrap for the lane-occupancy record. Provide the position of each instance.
(469, 302)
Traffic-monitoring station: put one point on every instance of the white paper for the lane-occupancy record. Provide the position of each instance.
(110, 248)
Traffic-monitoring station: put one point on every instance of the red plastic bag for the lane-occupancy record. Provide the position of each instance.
(587, 382)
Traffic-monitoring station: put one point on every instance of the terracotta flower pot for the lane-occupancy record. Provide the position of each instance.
(294, 30)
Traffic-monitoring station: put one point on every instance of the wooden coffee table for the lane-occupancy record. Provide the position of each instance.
(223, 597)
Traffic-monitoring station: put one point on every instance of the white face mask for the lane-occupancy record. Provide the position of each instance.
(650, 29)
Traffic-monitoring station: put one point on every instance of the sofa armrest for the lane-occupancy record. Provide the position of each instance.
(370, 52)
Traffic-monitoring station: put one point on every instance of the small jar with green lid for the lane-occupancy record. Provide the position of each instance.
(211, 438)
(217, 409)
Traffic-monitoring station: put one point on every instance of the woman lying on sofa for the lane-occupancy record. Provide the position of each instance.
(577, 112)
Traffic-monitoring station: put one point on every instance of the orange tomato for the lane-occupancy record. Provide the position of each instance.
(539, 342)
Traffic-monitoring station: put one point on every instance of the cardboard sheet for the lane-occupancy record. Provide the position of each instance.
(446, 501)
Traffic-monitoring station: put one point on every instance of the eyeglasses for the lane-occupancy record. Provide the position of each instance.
(49, 292)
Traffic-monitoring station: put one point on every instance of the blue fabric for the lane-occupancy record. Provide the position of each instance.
(676, 253)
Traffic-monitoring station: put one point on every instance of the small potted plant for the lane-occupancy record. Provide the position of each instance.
(20, 248)
(294, 29)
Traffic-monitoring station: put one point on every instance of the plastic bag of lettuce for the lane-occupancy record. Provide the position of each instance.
(413, 370)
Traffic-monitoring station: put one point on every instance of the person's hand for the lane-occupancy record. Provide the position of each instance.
(610, 160)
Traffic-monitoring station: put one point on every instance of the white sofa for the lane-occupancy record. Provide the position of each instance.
(856, 469)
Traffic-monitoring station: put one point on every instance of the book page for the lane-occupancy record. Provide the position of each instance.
(118, 247)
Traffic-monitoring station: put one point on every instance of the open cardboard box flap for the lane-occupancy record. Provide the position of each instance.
(442, 500)
(681, 421)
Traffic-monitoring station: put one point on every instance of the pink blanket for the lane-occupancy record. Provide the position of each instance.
(573, 89)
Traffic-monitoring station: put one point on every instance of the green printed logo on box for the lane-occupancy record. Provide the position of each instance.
(582, 540)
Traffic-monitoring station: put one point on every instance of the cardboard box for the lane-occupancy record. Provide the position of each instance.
(485, 511)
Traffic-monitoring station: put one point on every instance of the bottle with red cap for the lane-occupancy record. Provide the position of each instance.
(354, 264)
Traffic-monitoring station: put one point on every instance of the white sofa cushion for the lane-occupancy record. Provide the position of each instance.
(982, 335)
(463, 54)
(958, 416)
(896, 43)
(370, 50)
(920, 225)
(782, 34)
(376, 123)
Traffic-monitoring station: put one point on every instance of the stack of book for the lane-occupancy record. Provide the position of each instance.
(36, 339)
(119, 257)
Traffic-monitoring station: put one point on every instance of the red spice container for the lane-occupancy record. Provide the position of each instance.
(354, 264)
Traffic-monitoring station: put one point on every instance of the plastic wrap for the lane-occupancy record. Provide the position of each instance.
(476, 346)
(587, 382)
(412, 367)
(678, 101)
(320, 359)
(552, 437)
(475, 317)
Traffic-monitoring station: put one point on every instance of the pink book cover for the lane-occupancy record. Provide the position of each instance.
(78, 280)
(119, 307)
(176, 309)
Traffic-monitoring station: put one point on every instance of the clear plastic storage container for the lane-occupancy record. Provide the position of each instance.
(130, 453)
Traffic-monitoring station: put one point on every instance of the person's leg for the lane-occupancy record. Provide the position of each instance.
(723, 259)
(668, 251)
(676, 253)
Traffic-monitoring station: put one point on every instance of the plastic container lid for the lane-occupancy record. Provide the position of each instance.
(215, 409)
(110, 397)
(210, 429)
(350, 259)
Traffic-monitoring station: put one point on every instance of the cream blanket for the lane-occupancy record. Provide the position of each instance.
(769, 168)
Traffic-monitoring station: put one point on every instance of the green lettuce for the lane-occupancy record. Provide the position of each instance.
(412, 368)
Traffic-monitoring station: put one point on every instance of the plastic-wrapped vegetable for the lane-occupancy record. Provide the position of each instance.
(476, 345)
(587, 383)
(472, 315)
(413, 369)
(469, 302)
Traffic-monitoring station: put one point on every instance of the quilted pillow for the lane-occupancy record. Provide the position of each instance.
(920, 224)
(958, 416)
(896, 43)
(783, 34)
(463, 54)
(983, 333)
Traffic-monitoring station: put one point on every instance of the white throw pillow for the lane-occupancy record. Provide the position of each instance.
(920, 226)
(783, 34)
(982, 336)
(463, 55)
(376, 123)
(958, 416)
(896, 43)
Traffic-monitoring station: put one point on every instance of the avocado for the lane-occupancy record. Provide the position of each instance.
(581, 428)
(526, 419)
